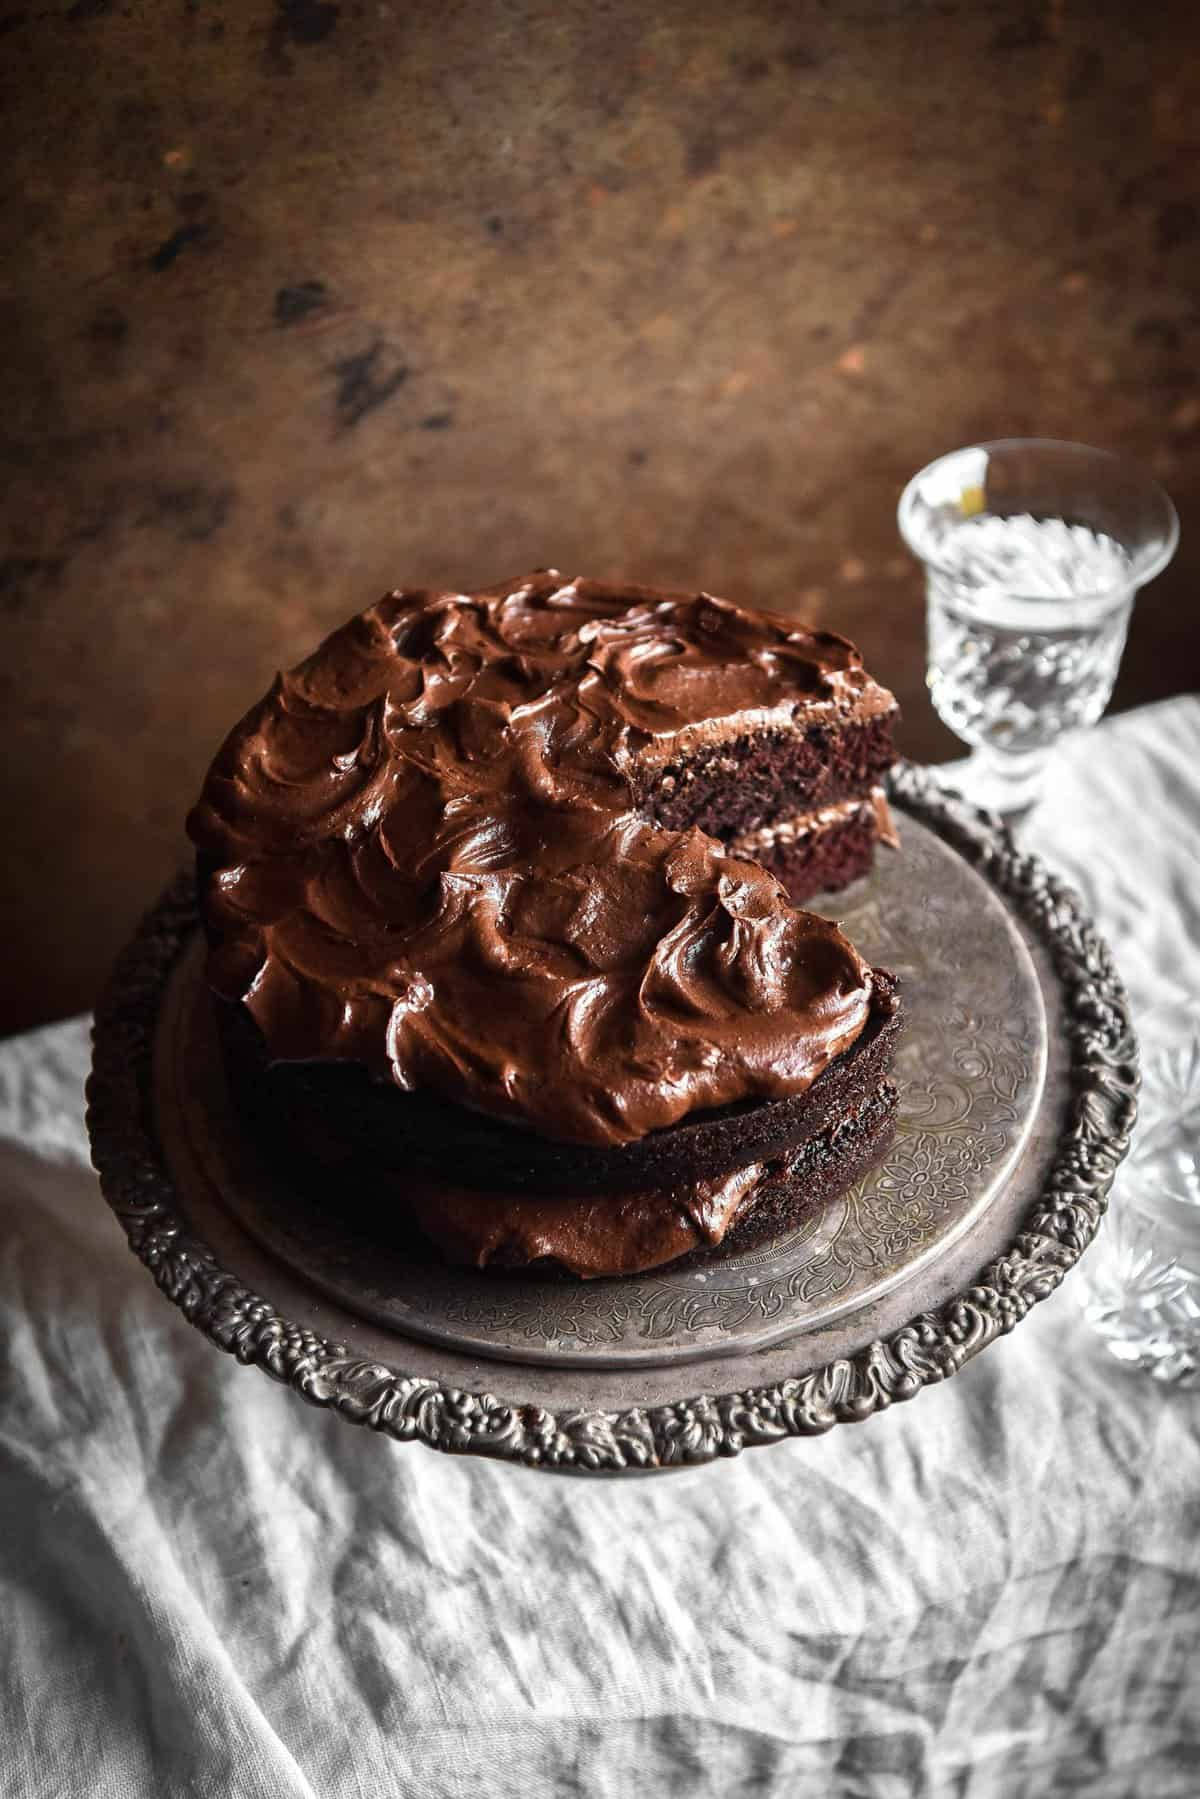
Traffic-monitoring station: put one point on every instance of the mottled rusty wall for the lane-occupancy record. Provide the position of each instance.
(301, 300)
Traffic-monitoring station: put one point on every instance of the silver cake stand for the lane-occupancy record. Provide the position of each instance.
(1017, 1074)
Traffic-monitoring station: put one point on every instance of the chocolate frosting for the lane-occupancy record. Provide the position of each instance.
(588, 1234)
(425, 855)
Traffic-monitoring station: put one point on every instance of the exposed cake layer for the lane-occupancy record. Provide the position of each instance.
(735, 789)
(824, 861)
(872, 810)
(816, 1173)
(338, 1118)
(823, 851)
(424, 854)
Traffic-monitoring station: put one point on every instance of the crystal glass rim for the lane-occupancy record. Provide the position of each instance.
(1141, 570)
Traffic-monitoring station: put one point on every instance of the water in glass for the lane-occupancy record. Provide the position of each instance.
(1027, 620)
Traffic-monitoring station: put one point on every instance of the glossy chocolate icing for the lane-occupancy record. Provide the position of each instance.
(588, 1234)
(423, 854)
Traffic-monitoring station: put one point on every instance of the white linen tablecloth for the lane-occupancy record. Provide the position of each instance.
(209, 1588)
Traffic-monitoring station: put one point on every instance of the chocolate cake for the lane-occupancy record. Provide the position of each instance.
(498, 943)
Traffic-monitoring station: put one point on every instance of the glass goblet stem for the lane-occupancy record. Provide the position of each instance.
(1005, 781)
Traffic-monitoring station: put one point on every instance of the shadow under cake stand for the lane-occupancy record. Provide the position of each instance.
(1017, 1074)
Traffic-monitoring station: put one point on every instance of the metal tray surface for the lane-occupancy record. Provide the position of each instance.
(1017, 1073)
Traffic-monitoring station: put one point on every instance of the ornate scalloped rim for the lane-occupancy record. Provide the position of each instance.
(1057, 1227)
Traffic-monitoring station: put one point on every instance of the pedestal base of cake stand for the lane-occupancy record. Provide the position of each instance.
(1016, 1073)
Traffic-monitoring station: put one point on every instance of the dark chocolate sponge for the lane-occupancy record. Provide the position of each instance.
(729, 789)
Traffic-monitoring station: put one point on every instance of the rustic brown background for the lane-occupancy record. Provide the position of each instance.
(301, 300)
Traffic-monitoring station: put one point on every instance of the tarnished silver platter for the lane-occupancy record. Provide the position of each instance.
(1017, 1076)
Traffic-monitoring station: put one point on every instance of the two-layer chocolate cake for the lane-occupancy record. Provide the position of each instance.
(490, 889)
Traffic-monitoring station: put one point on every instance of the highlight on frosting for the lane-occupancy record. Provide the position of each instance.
(427, 857)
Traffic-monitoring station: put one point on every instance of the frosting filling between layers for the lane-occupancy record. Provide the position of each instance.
(806, 824)
(421, 853)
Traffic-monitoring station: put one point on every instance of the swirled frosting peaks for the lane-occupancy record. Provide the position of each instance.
(426, 855)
